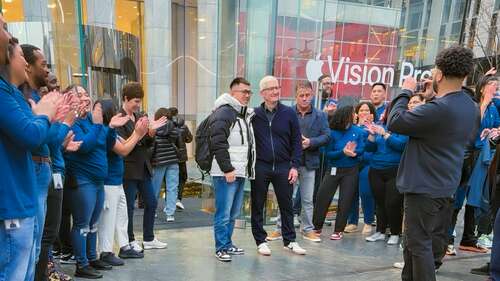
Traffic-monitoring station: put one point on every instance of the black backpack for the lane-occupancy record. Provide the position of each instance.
(203, 155)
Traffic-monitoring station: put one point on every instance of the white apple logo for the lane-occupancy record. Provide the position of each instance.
(313, 69)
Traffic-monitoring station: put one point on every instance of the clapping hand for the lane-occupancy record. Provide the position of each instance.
(153, 125)
(349, 149)
(141, 126)
(69, 144)
(97, 114)
(118, 120)
(48, 105)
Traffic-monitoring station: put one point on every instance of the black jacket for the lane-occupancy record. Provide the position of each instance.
(439, 132)
(137, 163)
(165, 148)
(185, 136)
(220, 126)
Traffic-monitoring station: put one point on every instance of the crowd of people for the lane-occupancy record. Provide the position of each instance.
(74, 167)
(411, 162)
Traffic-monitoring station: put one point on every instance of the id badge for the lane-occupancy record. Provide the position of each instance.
(57, 178)
(333, 172)
(12, 224)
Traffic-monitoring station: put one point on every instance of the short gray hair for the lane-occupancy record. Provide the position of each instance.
(263, 82)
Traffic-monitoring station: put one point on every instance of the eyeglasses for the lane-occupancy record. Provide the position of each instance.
(272, 88)
(246, 92)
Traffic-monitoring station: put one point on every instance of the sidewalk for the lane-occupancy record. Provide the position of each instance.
(190, 257)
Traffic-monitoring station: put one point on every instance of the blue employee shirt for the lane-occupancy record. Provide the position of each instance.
(55, 146)
(339, 139)
(491, 119)
(386, 152)
(43, 149)
(90, 160)
(20, 131)
(379, 111)
(115, 162)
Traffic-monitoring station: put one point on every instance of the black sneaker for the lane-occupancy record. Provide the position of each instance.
(87, 272)
(235, 251)
(100, 265)
(130, 254)
(67, 259)
(111, 259)
(483, 270)
(223, 256)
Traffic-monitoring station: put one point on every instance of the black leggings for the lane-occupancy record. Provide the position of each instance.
(347, 179)
(388, 200)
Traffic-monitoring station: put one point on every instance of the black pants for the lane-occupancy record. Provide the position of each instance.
(347, 179)
(319, 175)
(183, 176)
(63, 242)
(469, 234)
(425, 235)
(50, 230)
(388, 200)
(264, 175)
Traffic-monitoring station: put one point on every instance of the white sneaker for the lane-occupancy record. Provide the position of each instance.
(179, 205)
(393, 240)
(295, 248)
(136, 246)
(399, 265)
(263, 249)
(170, 218)
(377, 236)
(155, 244)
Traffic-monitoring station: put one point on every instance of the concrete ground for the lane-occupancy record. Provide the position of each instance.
(190, 257)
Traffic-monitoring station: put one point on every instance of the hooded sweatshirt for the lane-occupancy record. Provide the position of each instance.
(231, 138)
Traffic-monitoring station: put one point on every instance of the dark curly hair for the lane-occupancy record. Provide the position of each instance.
(342, 118)
(480, 85)
(369, 104)
(455, 62)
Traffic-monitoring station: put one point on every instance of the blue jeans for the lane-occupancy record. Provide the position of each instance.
(43, 177)
(17, 257)
(495, 250)
(367, 201)
(145, 187)
(87, 201)
(228, 202)
(171, 175)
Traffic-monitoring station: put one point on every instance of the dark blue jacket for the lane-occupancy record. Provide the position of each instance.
(339, 139)
(90, 160)
(20, 132)
(313, 125)
(43, 149)
(115, 162)
(278, 141)
(386, 152)
(57, 134)
(439, 131)
(478, 194)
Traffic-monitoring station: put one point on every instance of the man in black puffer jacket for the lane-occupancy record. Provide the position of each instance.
(185, 136)
(165, 162)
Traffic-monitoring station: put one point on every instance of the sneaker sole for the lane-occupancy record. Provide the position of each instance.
(291, 251)
(472, 249)
(154, 248)
(274, 239)
(87, 276)
(264, 254)
(131, 257)
(222, 260)
(312, 240)
(236, 253)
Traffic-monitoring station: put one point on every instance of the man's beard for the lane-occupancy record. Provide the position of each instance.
(325, 94)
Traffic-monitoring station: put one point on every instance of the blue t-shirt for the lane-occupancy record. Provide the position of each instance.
(491, 119)
(115, 161)
(386, 152)
(339, 139)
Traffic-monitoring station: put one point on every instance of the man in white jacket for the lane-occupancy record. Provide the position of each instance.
(232, 144)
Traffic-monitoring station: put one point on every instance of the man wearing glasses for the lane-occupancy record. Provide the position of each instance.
(279, 149)
(232, 144)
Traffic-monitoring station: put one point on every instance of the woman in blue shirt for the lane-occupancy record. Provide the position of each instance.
(387, 148)
(86, 171)
(344, 156)
(114, 219)
(366, 113)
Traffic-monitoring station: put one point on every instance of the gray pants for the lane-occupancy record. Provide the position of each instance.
(304, 185)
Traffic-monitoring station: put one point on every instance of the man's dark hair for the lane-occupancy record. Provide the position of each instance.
(304, 84)
(237, 81)
(162, 111)
(323, 77)
(455, 62)
(342, 118)
(29, 53)
(480, 85)
(379, 84)
(132, 90)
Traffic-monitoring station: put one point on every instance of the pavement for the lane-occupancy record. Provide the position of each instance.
(190, 257)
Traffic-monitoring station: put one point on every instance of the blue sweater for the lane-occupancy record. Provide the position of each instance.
(386, 152)
(55, 146)
(20, 132)
(115, 162)
(278, 141)
(90, 160)
(43, 149)
(339, 139)
(491, 119)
